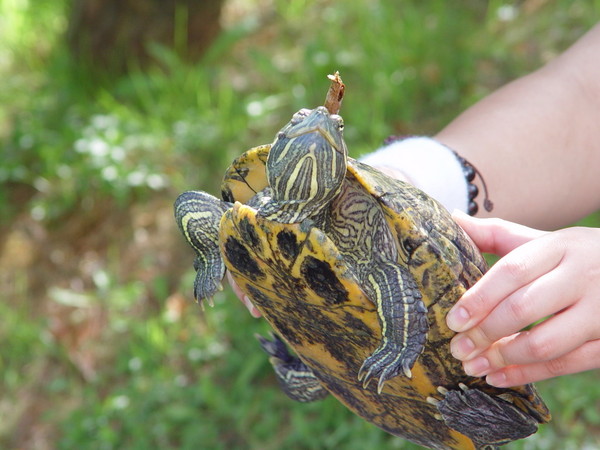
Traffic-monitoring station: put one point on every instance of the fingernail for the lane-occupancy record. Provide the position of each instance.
(457, 318)
(497, 379)
(476, 367)
(253, 311)
(461, 347)
(459, 213)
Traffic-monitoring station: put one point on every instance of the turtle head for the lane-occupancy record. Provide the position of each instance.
(317, 123)
(306, 165)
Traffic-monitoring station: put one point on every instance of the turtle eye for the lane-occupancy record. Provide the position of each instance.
(338, 120)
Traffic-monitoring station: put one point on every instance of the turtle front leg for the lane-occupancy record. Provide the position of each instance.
(403, 319)
(295, 378)
(198, 215)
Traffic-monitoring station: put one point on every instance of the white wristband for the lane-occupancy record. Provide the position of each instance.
(429, 165)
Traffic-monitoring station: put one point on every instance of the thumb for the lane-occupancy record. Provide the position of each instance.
(495, 236)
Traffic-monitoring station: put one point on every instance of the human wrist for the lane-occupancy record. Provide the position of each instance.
(432, 167)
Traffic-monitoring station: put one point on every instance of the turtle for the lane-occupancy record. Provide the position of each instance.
(355, 271)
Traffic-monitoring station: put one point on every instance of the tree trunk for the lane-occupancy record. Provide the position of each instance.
(114, 35)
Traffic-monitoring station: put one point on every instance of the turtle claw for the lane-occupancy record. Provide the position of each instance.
(384, 364)
(407, 372)
(380, 385)
(365, 378)
(210, 301)
(443, 392)
(206, 287)
(432, 401)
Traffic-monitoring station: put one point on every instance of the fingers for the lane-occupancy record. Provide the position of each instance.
(250, 306)
(538, 345)
(552, 275)
(517, 269)
(243, 297)
(495, 236)
(540, 298)
(585, 357)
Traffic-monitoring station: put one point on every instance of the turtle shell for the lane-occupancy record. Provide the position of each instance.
(304, 288)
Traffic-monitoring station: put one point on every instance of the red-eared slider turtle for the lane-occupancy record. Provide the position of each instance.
(356, 272)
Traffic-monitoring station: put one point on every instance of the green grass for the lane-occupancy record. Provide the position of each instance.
(99, 350)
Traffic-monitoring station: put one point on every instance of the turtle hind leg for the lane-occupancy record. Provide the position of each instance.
(403, 319)
(295, 378)
(198, 215)
(488, 420)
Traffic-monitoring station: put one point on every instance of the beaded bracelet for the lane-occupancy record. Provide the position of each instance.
(469, 172)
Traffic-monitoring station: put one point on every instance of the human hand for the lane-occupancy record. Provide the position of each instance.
(243, 297)
(551, 277)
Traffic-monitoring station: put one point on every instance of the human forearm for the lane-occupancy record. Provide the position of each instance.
(536, 141)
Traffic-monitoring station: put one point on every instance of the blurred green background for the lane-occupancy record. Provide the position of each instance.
(107, 113)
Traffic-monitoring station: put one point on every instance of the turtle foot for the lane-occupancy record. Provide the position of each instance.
(488, 420)
(296, 379)
(403, 319)
(198, 215)
(208, 282)
(388, 361)
(275, 348)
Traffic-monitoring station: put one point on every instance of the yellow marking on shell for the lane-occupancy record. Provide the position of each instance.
(253, 164)
(420, 381)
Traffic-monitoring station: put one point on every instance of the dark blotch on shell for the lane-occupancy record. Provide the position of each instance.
(248, 233)
(288, 244)
(241, 259)
(322, 279)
